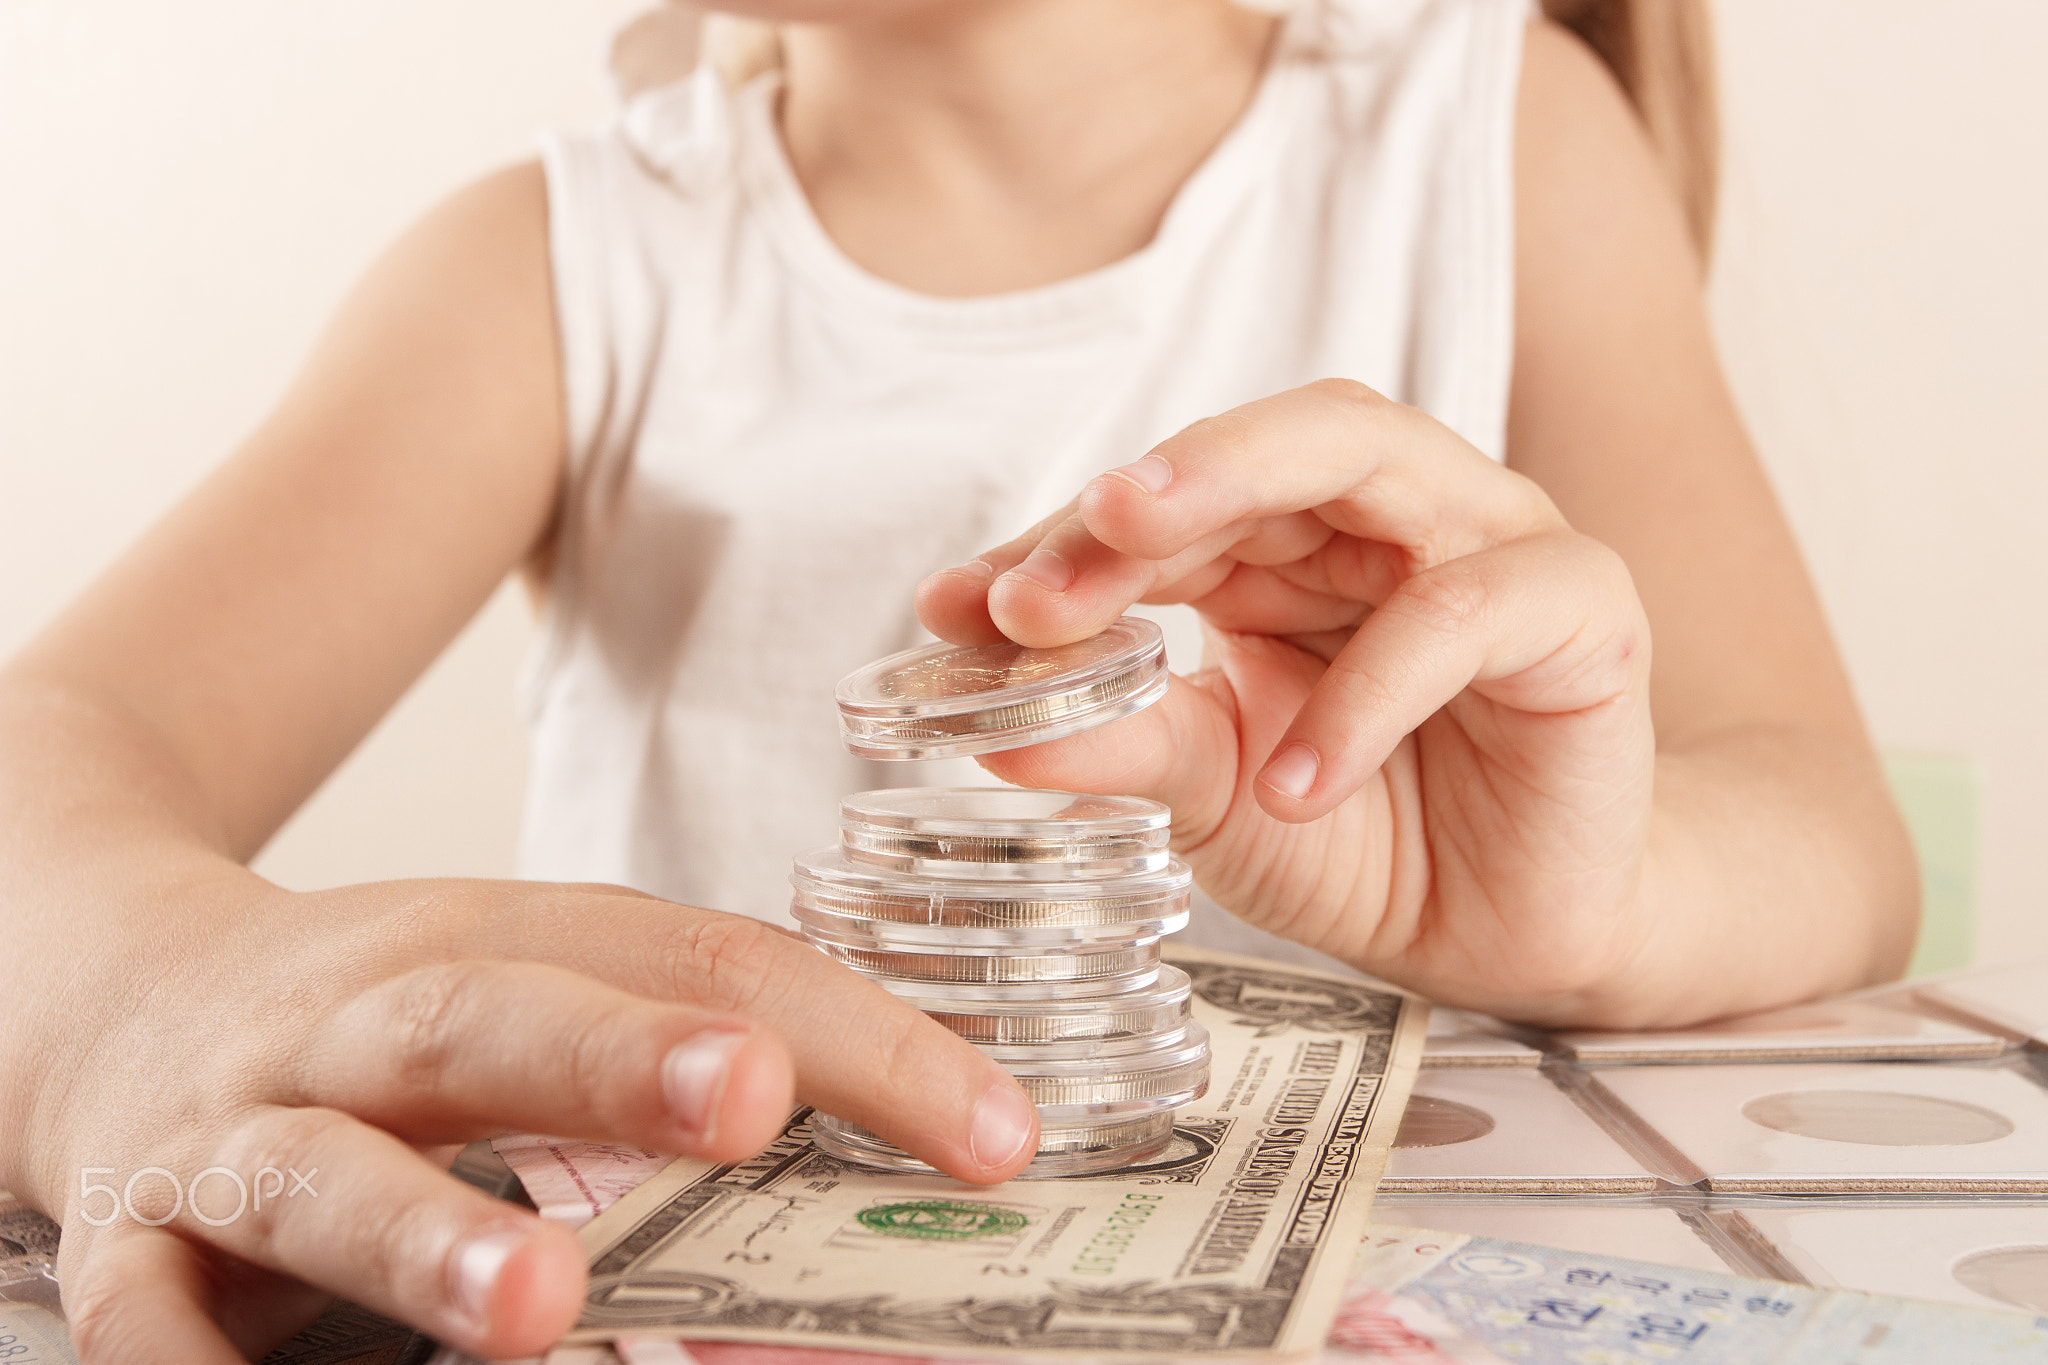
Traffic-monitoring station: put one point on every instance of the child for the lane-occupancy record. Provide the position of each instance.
(730, 381)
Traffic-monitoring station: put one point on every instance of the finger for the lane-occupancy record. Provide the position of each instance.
(366, 1217)
(1370, 467)
(859, 1053)
(1069, 587)
(1278, 576)
(456, 1050)
(1072, 586)
(140, 1296)
(953, 603)
(1322, 644)
(1332, 588)
(259, 1310)
(1548, 625)
(1057, 583)
(1261, 601)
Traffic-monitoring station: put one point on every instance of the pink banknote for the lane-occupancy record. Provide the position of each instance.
(573, 1182)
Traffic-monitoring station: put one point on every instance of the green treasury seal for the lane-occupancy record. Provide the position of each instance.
(941, 1220)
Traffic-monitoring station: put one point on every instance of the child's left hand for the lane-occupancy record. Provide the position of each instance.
(1425, 746)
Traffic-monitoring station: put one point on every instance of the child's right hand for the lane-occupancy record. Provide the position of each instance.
(1425, 747)
(343, 1035)
(1426, 744)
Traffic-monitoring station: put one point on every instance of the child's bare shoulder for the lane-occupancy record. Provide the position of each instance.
(485, 245)
(1571, 107)
(1594, 203)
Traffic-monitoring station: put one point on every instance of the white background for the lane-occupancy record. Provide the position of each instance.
(186, 189)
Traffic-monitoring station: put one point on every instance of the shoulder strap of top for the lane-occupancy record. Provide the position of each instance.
(683, 132)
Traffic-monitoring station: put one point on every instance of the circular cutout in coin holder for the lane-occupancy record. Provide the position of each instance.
(2017, 1275)
(948, 701)
(1432, 1122)
(1878, 1118)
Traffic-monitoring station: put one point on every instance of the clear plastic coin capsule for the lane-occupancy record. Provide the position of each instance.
(1155, 1007)
(1190, 1038)
(971, 965)
(1005, 833)
(1100, 990)
(890, 936)
(831, 884)
(946, 701)
(1175, 1063)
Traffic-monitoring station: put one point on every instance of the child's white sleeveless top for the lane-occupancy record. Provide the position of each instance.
(769, 447)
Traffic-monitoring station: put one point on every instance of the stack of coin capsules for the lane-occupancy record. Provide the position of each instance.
(1028, 922)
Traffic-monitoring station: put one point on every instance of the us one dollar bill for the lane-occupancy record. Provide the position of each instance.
(1236, 1241)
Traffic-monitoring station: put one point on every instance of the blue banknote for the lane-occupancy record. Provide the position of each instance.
(1474, 1299)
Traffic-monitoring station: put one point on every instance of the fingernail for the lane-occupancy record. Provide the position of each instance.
(693, 1077)
(1150, 473)
(473, 1270)
(1292, 771)
(1003, 1122)
(1047, 570)
(979, 570)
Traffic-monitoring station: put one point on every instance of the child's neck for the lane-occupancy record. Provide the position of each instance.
(994, 145)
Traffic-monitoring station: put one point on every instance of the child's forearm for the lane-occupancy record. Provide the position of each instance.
(99, 826)
(1778, 869)
(88, 794)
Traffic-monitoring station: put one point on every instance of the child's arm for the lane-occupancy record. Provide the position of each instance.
(161, 1006)
(1521, 838)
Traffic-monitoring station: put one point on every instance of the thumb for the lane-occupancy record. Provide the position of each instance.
(1181, 750)
(1269, 680)
(1188, 749)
